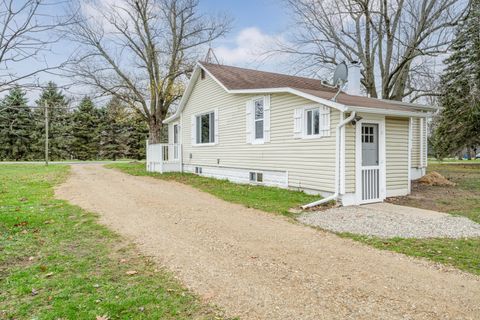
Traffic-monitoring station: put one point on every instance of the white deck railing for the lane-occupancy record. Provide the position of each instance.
(164, 157)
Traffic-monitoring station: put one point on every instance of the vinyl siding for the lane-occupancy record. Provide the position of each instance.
(349, 158)
(416, 143)
(396, 145)
(310, 163)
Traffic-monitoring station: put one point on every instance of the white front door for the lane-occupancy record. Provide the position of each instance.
(370, 161)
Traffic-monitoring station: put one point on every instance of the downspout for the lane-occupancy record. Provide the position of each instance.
(337, 165)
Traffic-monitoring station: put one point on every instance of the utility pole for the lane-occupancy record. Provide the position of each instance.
(46, 133)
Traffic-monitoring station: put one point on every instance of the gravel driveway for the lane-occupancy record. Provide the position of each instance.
(388, 220)
(261, 266)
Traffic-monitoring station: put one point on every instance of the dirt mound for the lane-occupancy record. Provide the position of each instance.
(435, 179)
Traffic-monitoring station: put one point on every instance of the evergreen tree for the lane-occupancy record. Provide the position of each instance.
(16, 126)
(59, 124)
(137, 135)
(114, 130)
(458, 125)
(85, 131)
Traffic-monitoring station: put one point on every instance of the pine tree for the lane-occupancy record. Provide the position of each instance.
(16, 127)
(136, 137)
(458, 125)
(85, 131)
(114, 130)
(59, 124)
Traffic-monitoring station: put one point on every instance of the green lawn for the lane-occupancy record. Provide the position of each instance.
(57, 262)
(464, 199)
(461, 200)
(268, 199)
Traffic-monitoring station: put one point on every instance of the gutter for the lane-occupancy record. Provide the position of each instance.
(337, 165)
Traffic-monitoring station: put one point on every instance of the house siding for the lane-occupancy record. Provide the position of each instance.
(416, 143)
(350, 158)
(419, 145)
(396, 144)
(308, 163)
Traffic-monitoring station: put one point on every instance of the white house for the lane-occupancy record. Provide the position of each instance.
(265, 128)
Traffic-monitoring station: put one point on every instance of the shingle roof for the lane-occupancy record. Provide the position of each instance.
(235, 78)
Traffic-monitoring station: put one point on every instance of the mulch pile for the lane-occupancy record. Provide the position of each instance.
(434, 179)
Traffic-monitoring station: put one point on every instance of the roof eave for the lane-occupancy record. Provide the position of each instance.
(391, 112)
(186, 95)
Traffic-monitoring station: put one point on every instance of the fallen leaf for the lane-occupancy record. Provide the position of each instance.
(131, 272)
(96, 285)
(105, 317)
(34, 292)
(123, 260)
(21, 224)
(23, 199)
(24, 231)
(31, 258)
(48, 275)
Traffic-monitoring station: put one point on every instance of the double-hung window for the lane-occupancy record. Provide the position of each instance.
(259, 118)
(313, 122)
(205, 126)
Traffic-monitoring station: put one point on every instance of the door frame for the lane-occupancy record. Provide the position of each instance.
(381, 160)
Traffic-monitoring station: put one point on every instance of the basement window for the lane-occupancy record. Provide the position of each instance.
(256, 176)
(198, 170)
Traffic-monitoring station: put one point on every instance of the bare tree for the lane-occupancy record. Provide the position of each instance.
(26, 31)
(141, 51)
(397, 41)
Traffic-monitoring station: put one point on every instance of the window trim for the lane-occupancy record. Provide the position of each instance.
(312, 135)
(255, 174)
(304, 121)
(256, 140)
(211, 125)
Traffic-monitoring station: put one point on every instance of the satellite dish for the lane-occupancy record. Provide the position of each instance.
(340, 76)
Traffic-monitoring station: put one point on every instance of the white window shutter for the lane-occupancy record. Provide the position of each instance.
(249, 121)
(194, 130)
(298, 123)
(216, 125)
(266, 119)
(324, 121)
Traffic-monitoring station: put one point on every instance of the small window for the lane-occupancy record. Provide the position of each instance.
(313, 122)
(198, 170)
(259, 118)
(256, 176)
(202, 74)
(368, 134)
(205, 124)
(259, 177)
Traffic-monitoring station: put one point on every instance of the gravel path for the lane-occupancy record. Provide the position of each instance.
(261, 266)
(388, 220)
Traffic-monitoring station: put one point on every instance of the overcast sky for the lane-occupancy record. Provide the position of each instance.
(255, 24)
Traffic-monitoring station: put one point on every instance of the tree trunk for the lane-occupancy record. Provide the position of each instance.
(155, 131)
